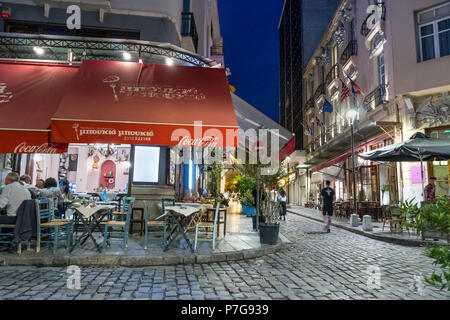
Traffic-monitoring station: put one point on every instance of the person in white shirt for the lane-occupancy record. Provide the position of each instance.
(12, 197)
(282, 199)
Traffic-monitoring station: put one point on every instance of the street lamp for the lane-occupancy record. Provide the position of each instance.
(351, 116)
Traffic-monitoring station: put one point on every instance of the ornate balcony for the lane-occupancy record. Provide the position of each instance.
(320, 91)
(68, 49)
(376, 97)
(332, 75)
(309, 104)
(188, 28)
(350, 51)
(365, 31)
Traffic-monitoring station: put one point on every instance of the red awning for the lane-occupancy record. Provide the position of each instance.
(29, 96)
(146, 104)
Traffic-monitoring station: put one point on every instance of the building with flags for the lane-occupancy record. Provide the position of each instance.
(353, 68)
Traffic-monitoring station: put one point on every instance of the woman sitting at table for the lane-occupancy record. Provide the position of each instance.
(51, 190)
(65, 190)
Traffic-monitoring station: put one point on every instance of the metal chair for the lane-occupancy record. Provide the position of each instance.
(49, 230)
(119, 227)
(155, 224)
(205, 227)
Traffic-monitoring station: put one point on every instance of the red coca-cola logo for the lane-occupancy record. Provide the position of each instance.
(43, 148)
(202, 142)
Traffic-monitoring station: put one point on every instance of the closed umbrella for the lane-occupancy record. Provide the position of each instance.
(418, 148)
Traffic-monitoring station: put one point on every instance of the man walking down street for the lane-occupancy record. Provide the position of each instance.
(327, 200)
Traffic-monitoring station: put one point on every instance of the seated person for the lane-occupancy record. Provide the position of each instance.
(40, 184)
(25, 180)
(51, 190)
(12, 197)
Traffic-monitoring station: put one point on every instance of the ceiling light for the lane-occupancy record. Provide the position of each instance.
(38, 50)
(169, 61)
(126, 55)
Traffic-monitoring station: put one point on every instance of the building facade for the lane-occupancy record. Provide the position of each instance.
(301, 27)
(181, 32)
(398, 57)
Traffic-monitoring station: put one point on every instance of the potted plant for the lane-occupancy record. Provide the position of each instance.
(431, 221)
(270, 229)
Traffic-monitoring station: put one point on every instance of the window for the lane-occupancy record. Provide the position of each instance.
(146, 164)
(381, 69)
(434, 32)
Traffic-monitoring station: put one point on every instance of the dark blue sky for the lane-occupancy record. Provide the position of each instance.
(250, 35)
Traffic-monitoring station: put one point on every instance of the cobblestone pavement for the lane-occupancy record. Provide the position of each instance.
(316, 265)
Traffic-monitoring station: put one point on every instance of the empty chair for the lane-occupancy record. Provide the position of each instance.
(159, 225)
(121, 215)
(50, 231)
(121, 228)
(204, 228)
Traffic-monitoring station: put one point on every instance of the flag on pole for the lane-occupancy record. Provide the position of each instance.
(345, 91)
(354, 85)
(308, 131)
(318, 122)
(327, 106)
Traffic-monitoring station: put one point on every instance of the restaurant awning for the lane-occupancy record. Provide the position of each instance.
(147, 104)
(29, 96)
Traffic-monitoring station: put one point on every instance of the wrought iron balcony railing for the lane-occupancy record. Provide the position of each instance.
(188, 28)
(333, 74)
(379, 96)
(319, 92)
(309, 104)
(56, 48)
(350, 51)
(365, 28)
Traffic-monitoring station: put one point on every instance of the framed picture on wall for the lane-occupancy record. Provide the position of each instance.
(8, 161)
(73, 162)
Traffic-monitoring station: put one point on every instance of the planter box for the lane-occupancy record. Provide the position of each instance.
(248, 211)
(268, 234)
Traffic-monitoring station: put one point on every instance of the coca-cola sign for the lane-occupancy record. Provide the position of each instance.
(43, 148)
(198, 142)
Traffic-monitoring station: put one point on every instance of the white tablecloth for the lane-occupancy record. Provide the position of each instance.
(89, 211)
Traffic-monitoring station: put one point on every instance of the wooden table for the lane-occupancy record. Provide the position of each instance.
(91, 218)
(181, 218)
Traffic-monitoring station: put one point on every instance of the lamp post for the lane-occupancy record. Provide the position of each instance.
(351, 115)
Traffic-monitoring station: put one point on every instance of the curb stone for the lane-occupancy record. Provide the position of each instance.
(102, 260)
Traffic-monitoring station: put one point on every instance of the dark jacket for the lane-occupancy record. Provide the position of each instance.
(26, 224)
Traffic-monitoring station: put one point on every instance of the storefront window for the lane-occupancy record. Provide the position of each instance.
(440, 169)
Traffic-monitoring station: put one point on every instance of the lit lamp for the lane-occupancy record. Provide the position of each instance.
(352, 114)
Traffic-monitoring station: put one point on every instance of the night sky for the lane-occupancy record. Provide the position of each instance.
(250, 34)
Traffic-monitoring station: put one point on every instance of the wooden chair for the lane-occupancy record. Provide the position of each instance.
(386, 215)
(121, 215)
(118, 227)
(155, 224)
(49, 230)
(205, 227)
(396, 219)
(7, 236)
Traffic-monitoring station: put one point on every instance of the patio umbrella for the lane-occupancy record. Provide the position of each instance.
(418, 148)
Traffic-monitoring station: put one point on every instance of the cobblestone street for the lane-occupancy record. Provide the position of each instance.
(315, 265)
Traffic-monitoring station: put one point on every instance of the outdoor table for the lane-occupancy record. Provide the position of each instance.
(182, 216)
(91, 218)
